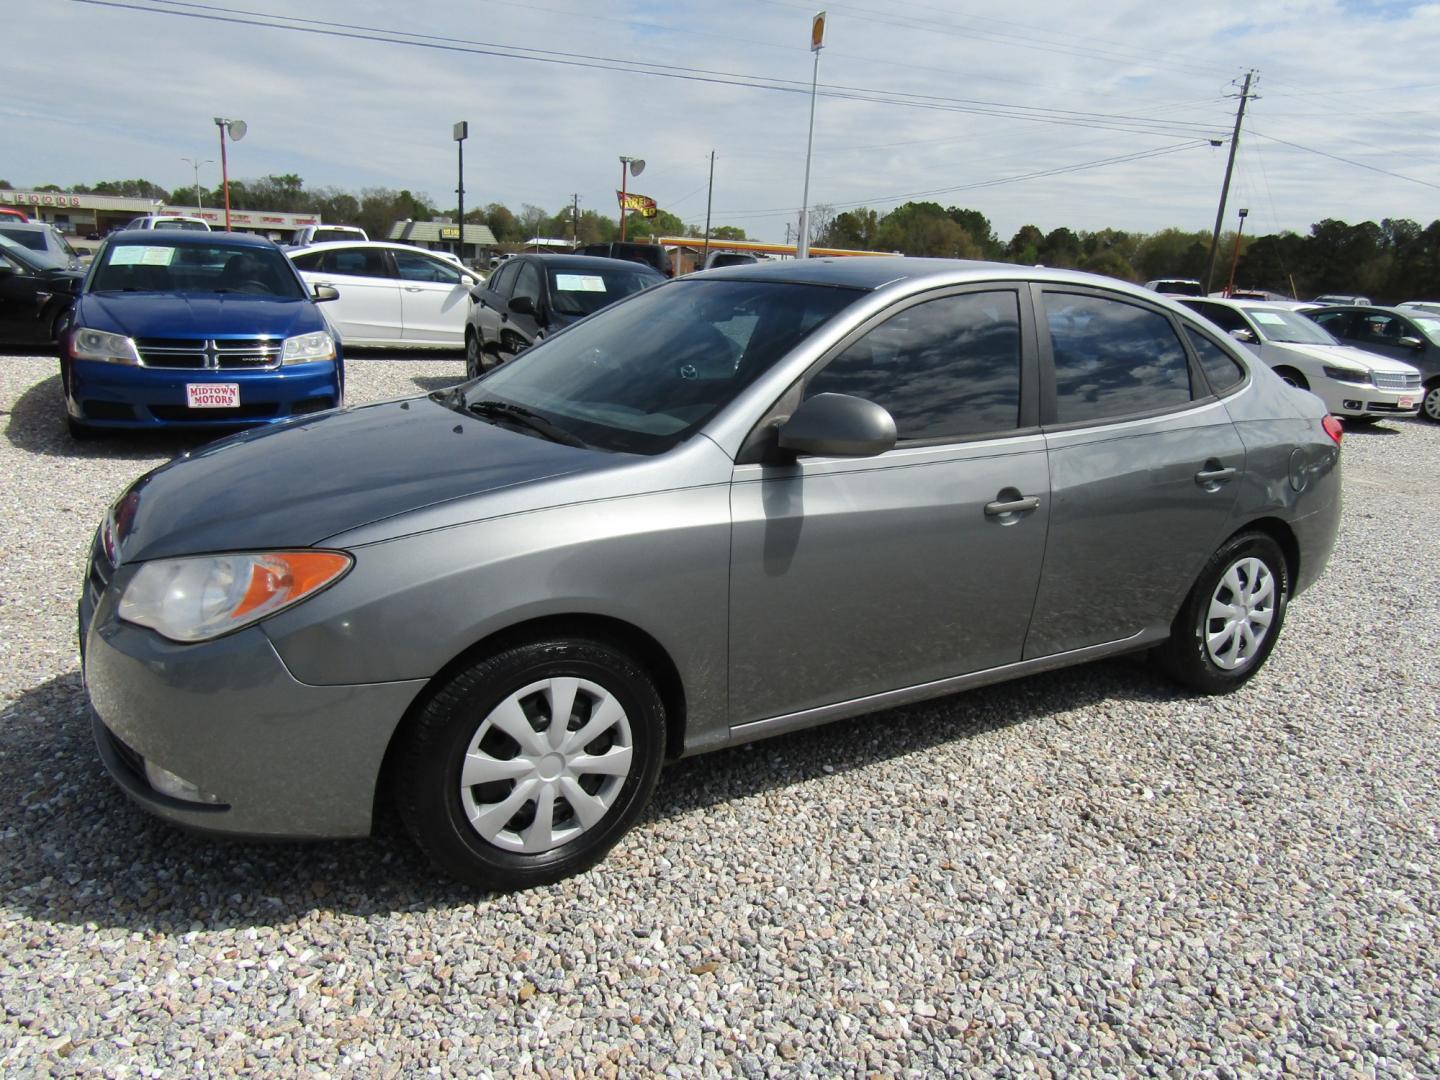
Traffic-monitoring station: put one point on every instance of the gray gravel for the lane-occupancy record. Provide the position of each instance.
(1084, 874)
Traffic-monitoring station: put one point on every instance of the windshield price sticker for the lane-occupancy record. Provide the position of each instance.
(222, 395)
(1269, 318)
(142, 255)
(579, 283)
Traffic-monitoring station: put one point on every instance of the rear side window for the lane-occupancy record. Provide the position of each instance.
(945, 369)
(1221, 369)
(503, 280)
(1113, 359)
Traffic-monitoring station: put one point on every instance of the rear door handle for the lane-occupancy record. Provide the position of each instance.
(1012, 506)
(1214, 476)
(413, 288)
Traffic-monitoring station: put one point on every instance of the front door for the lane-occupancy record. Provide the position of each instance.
(433, 299)
(851, 577)
(368, 308)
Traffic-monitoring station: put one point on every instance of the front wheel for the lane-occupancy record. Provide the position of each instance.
(1430, 407)
(474, 355)
(529, 765)
(1232, 617)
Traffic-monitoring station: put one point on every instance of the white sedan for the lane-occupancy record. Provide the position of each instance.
(390, 294)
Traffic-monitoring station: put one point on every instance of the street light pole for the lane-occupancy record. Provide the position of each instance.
(709, 196)
(195, 164)
(461, 132)
(237, 129)
(817, 42)
(624, 190)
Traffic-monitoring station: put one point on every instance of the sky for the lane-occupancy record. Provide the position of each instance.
(960, 103)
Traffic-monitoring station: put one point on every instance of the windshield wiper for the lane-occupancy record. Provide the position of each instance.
(523, 417)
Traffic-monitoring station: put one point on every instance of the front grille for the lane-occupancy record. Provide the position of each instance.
(253, 354)
(1397, 380)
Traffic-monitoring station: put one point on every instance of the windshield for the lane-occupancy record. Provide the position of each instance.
(33, 239)
(21, 254)
(643, 375)
(1286, 326)
(1429, 327)
(585, 291)
(322, 235)
(195, 268)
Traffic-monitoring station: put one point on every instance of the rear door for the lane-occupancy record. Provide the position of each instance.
(20, 303)
(855, 576)
(1144, 469)
(434, 300)
(368, 310)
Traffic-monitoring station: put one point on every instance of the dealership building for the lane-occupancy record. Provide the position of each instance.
(74, 212)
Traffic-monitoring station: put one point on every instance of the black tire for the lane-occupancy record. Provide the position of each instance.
(428, 791)
(1187, 657)
(1293, 377)
(1430, 403)
(78, 431)
(474, 355)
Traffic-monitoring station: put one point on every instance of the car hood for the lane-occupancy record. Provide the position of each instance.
(199, 315)
(294, 484)
(1347, 354)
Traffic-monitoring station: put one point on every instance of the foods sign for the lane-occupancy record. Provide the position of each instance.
(38, 198)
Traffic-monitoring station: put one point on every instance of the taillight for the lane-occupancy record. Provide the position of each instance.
(1333, 428)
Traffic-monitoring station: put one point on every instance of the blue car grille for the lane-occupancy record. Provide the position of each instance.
(252, 354)
(1397, 380)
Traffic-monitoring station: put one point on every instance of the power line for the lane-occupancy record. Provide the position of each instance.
(1062, 117)
(1347, 161)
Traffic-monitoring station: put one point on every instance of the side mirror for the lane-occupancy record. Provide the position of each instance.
(1243, 335)
(838, 425)
(1411, 342)
(522, 305)
(321, 293)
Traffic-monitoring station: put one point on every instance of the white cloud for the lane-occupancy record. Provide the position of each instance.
(103, 93)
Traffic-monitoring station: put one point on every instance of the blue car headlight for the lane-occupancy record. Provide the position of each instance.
(87, 344)
(307, 348)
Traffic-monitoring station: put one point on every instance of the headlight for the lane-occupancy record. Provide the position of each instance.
(309, 347)
(1350, 375)
(98, 345)
(195, 599)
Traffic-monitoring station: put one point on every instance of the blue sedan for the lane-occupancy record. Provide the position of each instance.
(198, 330)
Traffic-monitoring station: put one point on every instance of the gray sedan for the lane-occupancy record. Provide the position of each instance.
(738, 504)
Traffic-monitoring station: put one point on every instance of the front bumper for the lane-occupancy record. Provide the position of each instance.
(281, 758)
(121, 396)
(1351, 399)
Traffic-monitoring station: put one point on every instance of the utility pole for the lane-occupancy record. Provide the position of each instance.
(1225, 187)
(709, 195)
(575, 220)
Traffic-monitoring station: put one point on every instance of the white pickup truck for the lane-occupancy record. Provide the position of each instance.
(323, 234)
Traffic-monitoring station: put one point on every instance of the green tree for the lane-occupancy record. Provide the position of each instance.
(1024, 246)
(857, 229)
(1061, 247)
(726, 232)
(978, 226)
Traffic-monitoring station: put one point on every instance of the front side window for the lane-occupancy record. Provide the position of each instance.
(528, 283)
(1221, 369)
(1113, 359)
(643, 375)
(1336, 323)
(944, 369)
(413, 266)
(1227, 318)
(503, 280)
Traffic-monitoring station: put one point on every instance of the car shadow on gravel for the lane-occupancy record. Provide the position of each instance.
(429, 383)
(73, 849)
(37, 425)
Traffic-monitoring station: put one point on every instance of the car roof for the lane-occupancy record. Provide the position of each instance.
(326, 245)
(871, 272)
(582, 262)
(1368, 308)
(28, 226)
(188, 236)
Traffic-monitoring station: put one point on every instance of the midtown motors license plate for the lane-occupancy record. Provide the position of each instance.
(1407, 403)
(212, 395)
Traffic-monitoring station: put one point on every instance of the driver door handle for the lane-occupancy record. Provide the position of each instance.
(1214, 474)
(413, 288)
(1012, 506)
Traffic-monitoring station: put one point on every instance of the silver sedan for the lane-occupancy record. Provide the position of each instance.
(741, 503)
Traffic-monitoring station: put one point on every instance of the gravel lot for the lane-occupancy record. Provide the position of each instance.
(1083, 874)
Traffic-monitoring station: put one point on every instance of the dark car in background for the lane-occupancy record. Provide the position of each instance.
(652, 255)
(533, 296)
(1411, 335)
(35, 296)
(196, 329)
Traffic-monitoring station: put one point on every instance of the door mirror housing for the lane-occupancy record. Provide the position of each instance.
(1411, 342)
(321, 293)
(522, 305)
(1247, 336)
(838, 425)
(468, 281)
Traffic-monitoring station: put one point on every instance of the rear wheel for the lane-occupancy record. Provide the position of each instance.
(1293, 377)
(529, 765)
(474, 355)
(1232, 617)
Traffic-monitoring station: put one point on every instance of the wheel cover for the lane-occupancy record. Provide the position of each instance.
(546, 765)
(1241, 611)
(472, 355)
(1432, 403)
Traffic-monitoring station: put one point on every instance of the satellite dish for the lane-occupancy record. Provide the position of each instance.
(637, 166)
(237, 129)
